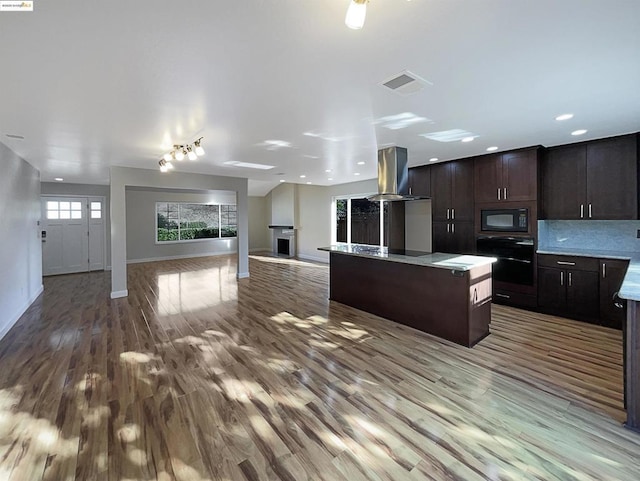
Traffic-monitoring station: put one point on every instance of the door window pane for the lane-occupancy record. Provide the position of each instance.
(96, 214)
(96, 205)
(76, 214)
(65, 206)
(65, 214)
(76, 205)
(341, 220)
(365, 222)
(52, 205)
(52, 214)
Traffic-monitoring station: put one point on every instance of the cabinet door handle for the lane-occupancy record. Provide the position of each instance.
(565, 263)
(448, 227)
(505, 194)
(448, 213)
(589, 211)
(409, 190)
(502, 295)
(498, 193)
(582, 211)
(453, 228)
(561, 278)
(453, 214)
(604, 270)
(569, 279)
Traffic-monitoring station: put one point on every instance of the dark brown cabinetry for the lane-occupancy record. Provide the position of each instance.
(420, 181)
(611, 276)
(452, 207)
(569, 286)
(452, 191)
(453, 237)
(593, 180)
(510, 177)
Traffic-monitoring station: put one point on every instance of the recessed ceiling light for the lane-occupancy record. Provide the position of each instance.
(492, 149)
(579, 132)
(328, 170)
(308, 182)
(433, 159)
(14, 136)
(468, 139)
(357, 173)
(275, 144)
(400, 121)
(330, 178)
(58, 179)
(281, 180)
(303, 176)
(361, 163)
(564, 117)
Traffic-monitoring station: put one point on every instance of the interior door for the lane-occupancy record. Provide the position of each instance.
(65, 235)
(95, 216)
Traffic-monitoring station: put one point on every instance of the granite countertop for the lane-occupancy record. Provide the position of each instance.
(435, 259)
(630, 288)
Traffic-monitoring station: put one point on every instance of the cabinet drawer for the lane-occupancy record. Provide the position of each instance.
(516, 299)
(569, 262)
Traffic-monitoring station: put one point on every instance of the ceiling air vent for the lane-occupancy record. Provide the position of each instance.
(405, 83)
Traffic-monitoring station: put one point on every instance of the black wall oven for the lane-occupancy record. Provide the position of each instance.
(504, 220)
(515, 258)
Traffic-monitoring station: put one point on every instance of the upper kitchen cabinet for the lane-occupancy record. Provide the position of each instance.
(592, 180)
(510, 177)
(452, 191)
(420, 181)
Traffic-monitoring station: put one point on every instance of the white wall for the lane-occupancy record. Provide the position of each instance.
(417, 225)
(283, 204)
(86, 190)
(259, 220)
(141, 225)
(20, 248)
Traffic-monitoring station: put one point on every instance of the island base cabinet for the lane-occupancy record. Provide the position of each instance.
(612, 274)
(448, 303)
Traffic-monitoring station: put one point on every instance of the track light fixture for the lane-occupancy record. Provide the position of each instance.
(179, 152)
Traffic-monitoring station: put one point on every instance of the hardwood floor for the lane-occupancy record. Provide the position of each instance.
(198, 376)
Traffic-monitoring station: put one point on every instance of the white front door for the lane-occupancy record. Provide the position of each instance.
(65, 235)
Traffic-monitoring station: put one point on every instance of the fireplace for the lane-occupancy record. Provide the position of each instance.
(284, 240)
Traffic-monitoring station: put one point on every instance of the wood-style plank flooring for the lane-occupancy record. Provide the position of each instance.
(198, 376)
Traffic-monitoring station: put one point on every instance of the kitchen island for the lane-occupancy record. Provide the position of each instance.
(447, 295)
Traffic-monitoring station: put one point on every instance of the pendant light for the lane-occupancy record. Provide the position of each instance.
(191, 154)
(199, 149)
(356, 14)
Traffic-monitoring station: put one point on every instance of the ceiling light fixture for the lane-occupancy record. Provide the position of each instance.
(179, 152)
(492, 149)
(579, 132)
(58, 179)
(199, 149)
(468, 139)
(564, 117)
(356, 14)
(433, 159)
(165, 166)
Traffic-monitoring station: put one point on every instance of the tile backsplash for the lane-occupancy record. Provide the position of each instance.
(614, 235)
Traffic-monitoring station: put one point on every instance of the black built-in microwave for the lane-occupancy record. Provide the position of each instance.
(504, 220)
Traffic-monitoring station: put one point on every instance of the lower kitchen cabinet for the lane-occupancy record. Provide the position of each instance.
(569, 286)
(453, 237)
(611, 276)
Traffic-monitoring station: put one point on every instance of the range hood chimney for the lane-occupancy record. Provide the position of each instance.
(393, 175)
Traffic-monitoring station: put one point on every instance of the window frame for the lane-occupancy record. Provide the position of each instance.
(334, 218)
(186, 241)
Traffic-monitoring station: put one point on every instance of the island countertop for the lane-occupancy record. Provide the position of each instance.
(428, 259)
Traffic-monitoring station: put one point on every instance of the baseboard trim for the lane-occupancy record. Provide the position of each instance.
(261, 249)
(185, 256)
(119, 294)
(242, 275)
(313, 258)
(21, 311)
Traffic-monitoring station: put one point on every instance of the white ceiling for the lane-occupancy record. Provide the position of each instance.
(92, 83)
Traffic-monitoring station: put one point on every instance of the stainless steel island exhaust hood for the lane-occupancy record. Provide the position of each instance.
(393, 175)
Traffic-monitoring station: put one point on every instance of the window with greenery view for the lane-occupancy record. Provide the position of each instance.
(177, 221)
(358, 221)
